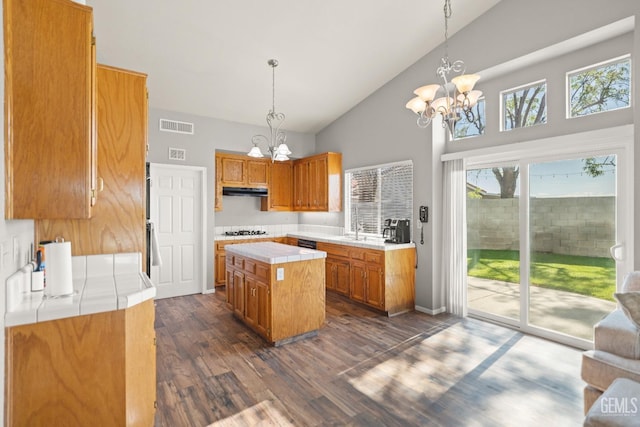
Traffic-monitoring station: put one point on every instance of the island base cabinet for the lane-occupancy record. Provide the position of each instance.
(97, 369)
(230, 289)
(298, 301)
(279, 308)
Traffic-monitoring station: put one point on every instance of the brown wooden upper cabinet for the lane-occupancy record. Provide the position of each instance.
(50, 143)
(317, 183)
(280, 188)
(311, 184)
(117, 223)
(241, 171)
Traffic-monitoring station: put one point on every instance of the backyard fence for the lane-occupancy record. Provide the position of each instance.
(569, 226)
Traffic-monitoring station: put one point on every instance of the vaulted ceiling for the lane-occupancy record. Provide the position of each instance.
(209, 58)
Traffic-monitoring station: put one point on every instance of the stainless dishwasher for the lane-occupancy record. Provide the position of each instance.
(309, 244)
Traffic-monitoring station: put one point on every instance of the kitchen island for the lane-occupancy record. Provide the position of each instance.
(368, 270)
(277, 290)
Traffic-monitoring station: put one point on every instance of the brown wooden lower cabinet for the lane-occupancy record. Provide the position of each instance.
(337, 274)
(238, 292)
(230, 289)
(384, 280)
(357, 285)
(278, 310)
(97, 369)
(291, 241)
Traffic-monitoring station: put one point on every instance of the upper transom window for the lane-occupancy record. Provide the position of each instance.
(524, 106)
(600, 87)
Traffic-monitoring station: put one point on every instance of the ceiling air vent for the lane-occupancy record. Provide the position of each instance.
(177, 154)
(176, 126)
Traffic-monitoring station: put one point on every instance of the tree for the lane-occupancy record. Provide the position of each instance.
(595, 167)
(525, 107)
(507, 178)
(595, 90)
(600, 89)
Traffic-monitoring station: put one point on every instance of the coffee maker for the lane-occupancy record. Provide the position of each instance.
(396, 230)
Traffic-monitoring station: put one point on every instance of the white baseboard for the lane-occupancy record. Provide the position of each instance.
(209, 291)
(429, 311)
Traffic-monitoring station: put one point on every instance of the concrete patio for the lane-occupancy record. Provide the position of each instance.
(565, 312)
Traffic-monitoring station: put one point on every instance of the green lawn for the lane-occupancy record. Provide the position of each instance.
(590, 276)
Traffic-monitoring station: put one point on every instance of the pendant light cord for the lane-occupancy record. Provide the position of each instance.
(273, 63)
(447, 15)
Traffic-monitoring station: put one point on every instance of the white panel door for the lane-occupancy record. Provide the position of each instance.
(176, 201)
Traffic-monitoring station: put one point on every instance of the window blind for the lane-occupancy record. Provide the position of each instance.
(376, 193)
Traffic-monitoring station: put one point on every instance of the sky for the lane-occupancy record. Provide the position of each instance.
(565, 178)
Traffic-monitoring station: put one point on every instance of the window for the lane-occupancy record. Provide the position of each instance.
(377, 193)
(601, 87)
(524, 106)
(465, 128)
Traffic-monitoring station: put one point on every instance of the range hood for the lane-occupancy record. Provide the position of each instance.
(244, 191)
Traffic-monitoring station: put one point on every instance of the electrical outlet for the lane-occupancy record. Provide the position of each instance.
(280, 273)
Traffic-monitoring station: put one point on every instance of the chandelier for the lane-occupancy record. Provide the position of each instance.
(451, 99)
(276, 139)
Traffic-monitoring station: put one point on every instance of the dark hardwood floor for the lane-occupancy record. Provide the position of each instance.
(363, 369)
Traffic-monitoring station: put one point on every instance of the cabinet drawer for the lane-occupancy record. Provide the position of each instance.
(250, 266)
(263, 271)
(335, 250)
(357, 254)
(374, 257)
(238, 262)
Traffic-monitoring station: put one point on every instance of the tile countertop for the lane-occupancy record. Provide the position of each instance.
(101, 283)
(370, 243)
(274, 253)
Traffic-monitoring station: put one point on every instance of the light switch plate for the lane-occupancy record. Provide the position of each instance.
(280, 273)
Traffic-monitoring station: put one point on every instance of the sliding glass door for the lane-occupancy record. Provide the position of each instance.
(539, 239)
(493, 241)
(572, 225)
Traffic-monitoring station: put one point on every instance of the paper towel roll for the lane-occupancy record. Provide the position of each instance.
(37, 281)
(58, 280)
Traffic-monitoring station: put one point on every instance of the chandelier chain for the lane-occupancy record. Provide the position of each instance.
(447, 15)
(273, 85)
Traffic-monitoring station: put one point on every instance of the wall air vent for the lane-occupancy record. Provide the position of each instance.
(177, 154)
(176, 126)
